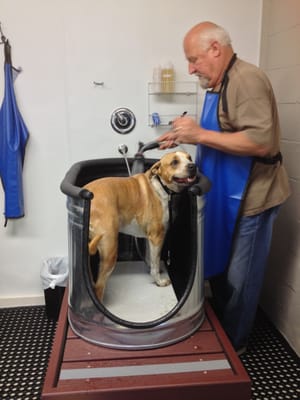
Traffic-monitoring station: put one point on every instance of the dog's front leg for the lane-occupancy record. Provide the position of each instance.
(155, 251)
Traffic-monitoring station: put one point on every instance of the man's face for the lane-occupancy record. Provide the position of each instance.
(201, 62)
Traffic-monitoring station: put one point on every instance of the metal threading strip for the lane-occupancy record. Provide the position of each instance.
(138, 370)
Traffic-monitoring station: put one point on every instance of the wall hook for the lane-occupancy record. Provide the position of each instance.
(98, 83)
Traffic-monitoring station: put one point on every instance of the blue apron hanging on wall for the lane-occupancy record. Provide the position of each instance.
(13, 139)
(229, 176)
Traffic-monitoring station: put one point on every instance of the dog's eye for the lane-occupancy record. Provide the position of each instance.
(174, 163)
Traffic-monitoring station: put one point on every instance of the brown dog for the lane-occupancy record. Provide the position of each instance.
(136, 205)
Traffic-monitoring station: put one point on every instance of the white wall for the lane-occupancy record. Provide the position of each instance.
(62, 47)
(281, 59)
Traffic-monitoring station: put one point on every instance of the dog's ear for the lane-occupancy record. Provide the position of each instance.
(155, 169)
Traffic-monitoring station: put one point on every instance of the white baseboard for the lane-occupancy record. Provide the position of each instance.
(6, 302)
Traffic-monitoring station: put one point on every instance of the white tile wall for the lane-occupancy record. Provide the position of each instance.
(284, 15)
(280, 57)
(291, 155)
(284, 50)
(289, 115)
(286, 83)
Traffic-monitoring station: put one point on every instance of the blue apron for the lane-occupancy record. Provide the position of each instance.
(229, 176)
(13, 139)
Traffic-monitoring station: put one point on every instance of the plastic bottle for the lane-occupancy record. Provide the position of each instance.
(167, 78)
(156, 79)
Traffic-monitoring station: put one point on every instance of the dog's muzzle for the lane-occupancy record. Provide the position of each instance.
(191, 175)
(192, 169)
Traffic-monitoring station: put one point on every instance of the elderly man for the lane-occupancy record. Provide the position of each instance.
(238, 150)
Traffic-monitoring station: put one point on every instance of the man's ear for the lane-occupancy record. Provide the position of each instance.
(215, 47)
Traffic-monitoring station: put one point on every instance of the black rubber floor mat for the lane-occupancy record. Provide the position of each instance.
(26, 336)
(272, 365)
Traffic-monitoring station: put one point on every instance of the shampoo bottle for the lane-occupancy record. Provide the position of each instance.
(167, 78)
(157, 79)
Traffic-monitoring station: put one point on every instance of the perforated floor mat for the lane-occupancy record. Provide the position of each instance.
(26, 337)
(273, 367)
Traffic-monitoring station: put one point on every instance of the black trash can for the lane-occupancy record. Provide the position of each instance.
(54, 277)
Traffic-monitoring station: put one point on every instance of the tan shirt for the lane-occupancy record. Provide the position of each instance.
(252, 109)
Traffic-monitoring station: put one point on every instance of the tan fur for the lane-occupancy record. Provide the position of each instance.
(135, 205)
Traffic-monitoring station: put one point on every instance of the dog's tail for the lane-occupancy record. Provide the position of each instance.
(93, 244)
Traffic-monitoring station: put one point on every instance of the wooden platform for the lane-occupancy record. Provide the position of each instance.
(203, 366)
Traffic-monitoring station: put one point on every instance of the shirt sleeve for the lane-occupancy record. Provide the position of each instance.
(250, 107)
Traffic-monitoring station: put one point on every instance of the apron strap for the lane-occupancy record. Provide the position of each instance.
(225, 84)
(270, 160)
(7, 52)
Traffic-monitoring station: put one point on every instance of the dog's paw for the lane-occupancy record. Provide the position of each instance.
(163, 281)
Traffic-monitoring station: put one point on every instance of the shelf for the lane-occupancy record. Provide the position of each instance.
(171, 104)
(179, 88)
(165, 120)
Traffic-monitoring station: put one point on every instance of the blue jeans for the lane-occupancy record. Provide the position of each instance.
(236, 292)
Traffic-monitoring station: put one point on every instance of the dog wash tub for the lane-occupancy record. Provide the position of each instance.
(135, 313)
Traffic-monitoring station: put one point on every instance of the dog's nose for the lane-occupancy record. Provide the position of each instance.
(191, 169)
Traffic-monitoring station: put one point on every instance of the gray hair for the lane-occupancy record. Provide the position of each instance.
(214, 33)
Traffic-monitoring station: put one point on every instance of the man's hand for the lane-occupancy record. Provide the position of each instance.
(184, 130)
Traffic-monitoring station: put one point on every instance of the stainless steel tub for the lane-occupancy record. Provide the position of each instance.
(91, 319)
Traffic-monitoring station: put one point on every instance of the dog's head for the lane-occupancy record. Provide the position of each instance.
(175, 170)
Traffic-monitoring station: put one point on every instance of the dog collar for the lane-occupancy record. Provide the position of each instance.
(166, 189)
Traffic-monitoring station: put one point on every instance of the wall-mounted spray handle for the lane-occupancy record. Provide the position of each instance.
(123, 149)
(149, 146)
